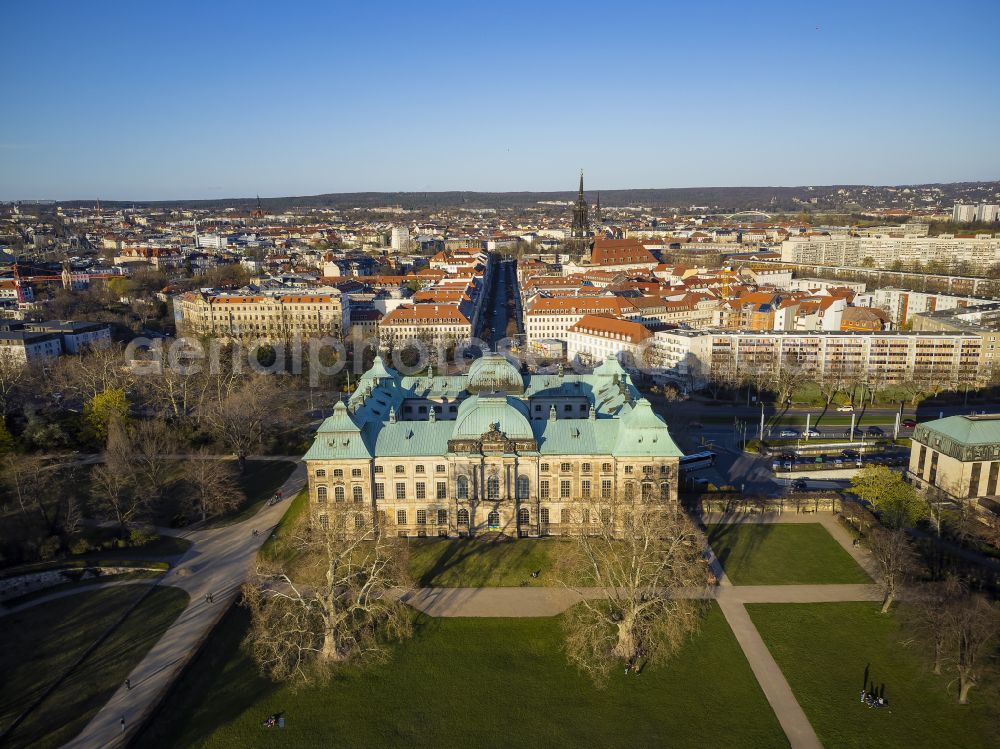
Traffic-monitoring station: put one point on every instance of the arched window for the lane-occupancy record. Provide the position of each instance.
(522, 487)
(493, 488)
(463, 517)
(647, 492)
(629, 491)
(523, 516)
(321, 495)
(463, 490)
(493, 520)
(665, 490)
(320, 472)
(338, 493)
(358, 493)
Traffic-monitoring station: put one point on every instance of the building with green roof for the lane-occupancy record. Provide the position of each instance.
(492, 450)
(958, 458)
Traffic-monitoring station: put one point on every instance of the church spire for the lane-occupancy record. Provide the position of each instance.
(581, 183)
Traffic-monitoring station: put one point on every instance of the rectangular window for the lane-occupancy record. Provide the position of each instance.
(356, 472)
(442, 490)
(991, 488)
(440, 468)
(585, 467)
(606, 467)
(629, 470)
(442, 517)
(543, 489)
(932, 474)
(564, 517)
(400, 469)
(379, 469)
(564, 489)
(606, 489)
(420, 469)
(338, 472)
(544, 467)
(400, 490)
(585, 489)
(379, 491)
(421, 491)
(421, 517)
(920, 460)
(564, 467)
(543, 514)
(977, 468)
(400, 517)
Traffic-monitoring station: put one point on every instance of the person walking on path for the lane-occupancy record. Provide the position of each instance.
(128, 685)
(123, 724)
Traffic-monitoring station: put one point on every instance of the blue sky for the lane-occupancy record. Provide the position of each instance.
(144, 100)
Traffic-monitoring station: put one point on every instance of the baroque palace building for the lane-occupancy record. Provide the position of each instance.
(489, 451)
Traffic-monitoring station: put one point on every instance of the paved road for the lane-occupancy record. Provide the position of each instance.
(217, 563)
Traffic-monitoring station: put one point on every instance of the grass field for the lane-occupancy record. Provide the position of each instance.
(476, 564)
(824, 650)
(41, 642)
(474, 683)
(782, 554)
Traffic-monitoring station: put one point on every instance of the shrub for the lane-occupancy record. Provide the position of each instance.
(80, 546)
(142, 536)
(48, 548)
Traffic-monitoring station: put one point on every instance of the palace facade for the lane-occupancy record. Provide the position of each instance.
(489, 451)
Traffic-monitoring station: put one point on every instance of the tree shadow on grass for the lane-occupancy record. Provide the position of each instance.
(477, 561)
(736, 544)
(212, 691)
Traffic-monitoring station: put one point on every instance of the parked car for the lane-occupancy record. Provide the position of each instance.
(788, 433)
(788, 455)
(875, 431)
(908, 423)
(799, 485)
(850, 454)
(838, 461)
(812, 432)
(846, 409)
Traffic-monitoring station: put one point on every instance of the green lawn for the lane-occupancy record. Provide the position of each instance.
(474, 683)
(470, 563)
(782, 554)
(824, 650)
(41, 642)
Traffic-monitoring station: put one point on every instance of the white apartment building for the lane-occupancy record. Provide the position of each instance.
(981, 251)
(551, 317)
(594, 338)
(428, 323)
(901, 304)
(400, 239)
(27, 347)
(963, 212)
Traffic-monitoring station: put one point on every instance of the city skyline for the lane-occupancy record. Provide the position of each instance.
(227, 102)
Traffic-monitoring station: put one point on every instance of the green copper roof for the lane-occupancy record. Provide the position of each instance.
(966, 430)
(478, 413)
(494, 373)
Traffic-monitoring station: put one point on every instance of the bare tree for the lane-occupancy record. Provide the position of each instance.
(932, 605)
(211, 486)
(646, 555)
(95, 371)
(891, 551)
(302, 632)
(975, 623)
(114, 490)
(152, 445)
(242, 419)
(13, 374)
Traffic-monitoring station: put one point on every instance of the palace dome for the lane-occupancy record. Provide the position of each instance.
(493, 373)
(479, 414)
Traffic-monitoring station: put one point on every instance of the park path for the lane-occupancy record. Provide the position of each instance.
(217, 563)
(76, 590)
